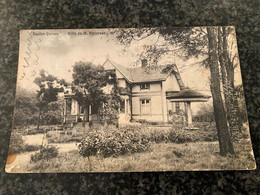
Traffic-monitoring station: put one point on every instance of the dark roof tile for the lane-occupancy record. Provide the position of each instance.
(187, 93)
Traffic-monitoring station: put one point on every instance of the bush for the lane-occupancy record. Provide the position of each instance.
(186, 135)
(16, 140)
(179, 134)
(30, 148)
(205, 114)
(113, 142)
(47, 152)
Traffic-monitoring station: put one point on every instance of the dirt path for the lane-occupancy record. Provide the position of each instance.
(33, 139)
(22, 160)
(66, 147)
(20, 163)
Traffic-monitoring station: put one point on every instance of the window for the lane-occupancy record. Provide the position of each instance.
(68, 106)
(122, 106)
(145, 106)
(177, 107)
(81, 110)
(145, 86)
(94, 109)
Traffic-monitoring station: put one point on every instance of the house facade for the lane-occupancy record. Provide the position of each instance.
(145, 93)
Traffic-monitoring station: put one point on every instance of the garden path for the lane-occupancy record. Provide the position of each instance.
(22, 160)
(20, 163)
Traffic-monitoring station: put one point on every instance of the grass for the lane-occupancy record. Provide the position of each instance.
(205, 132)
(160, 157)
(193, 150)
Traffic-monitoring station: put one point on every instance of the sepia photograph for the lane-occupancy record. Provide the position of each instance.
(129, 100)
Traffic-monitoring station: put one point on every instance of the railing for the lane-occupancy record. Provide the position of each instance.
(70, 118)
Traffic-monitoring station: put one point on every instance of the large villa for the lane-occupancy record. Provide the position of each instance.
(148, 95)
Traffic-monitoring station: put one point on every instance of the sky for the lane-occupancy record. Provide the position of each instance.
(56, 51)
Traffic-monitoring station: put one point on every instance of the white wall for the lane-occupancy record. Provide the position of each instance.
(157, 95)
(122, 83)
(171, 84)
(74, 107)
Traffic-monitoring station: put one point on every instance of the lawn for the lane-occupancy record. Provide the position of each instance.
(135, 149)
(160, 157)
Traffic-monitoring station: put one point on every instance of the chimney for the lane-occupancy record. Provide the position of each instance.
(144, 63)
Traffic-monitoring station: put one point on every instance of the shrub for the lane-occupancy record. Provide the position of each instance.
(16, 140)
(158, 135)
(186, 135)
(47, 152)
(113, 142)
(30, 148)
(179, 134)
(17, 143)
(53, 113)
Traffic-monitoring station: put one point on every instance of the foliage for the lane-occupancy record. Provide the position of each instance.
(30, 148)
(113, 142)
(19, 145)
(160, 157)
(205, 114)
(90, 82)
(109, 114)
(205, 131)
(187, 43)
(45, 153)
(53, 114)
(244, 14)
(49, 88)
(16, 140)
(168, 39)
(178, 120)
(239, 93)
(187, 135)
(26, 111)
(109, 111)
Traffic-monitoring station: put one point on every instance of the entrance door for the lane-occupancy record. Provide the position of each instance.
(94, 112)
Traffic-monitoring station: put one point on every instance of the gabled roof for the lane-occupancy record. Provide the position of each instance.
(123, 70)
(141, 75)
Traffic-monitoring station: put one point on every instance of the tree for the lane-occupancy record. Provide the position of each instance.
(220, 114)
(89, 83)
(49, 89)
(205, 114)
(190, 42)
(26, 111)
(228, 65)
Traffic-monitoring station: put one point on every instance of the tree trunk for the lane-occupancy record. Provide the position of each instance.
(233, 114)
(39, 119)
(220, 114)
(223, 68)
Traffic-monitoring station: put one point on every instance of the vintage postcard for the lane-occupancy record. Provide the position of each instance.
(129, 100)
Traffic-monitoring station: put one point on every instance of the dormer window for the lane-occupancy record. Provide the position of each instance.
(145, 86)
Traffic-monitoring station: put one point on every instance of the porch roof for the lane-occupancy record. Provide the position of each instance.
(187, 95)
